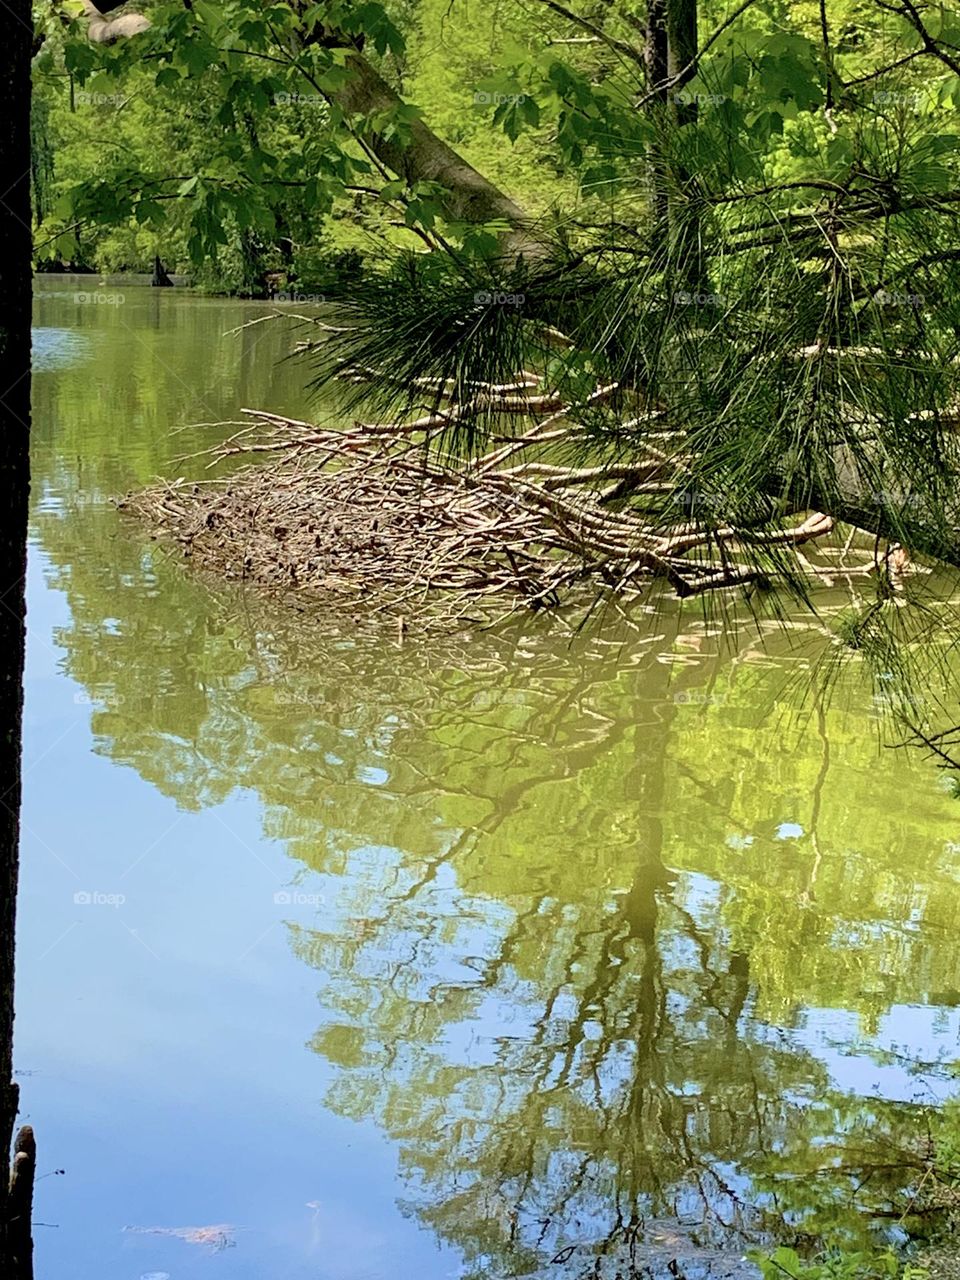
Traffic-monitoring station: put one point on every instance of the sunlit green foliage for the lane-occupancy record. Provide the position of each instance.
(206, 139)
(786, 1264)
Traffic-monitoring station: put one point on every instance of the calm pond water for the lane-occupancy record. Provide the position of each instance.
(343, 960)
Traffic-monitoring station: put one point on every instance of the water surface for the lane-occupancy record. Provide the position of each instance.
(349, 960)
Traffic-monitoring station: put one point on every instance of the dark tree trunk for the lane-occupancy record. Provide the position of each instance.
(670, 45)
(655, 47)
(15, 295)
(20, 1211)
(685, 228)
(656, 59)
(681, 18)
(160, 278)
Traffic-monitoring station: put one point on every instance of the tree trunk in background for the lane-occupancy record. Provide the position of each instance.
(670, 46)
(656, 59)
(160, 278)
(15, 297)
(685, 223)
(425, 157)
(681, 19)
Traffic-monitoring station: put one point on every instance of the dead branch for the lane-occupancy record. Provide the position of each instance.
(383, 512)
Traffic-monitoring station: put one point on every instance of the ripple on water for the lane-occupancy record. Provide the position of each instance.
(58, 349)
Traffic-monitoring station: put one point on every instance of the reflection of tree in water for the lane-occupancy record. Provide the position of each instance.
(581, 1073)
(556, 956)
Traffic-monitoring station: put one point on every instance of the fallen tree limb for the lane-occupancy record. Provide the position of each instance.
(380, 513)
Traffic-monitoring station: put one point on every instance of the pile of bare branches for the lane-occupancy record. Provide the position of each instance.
(385, 512)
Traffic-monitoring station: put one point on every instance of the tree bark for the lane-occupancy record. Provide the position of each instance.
(681, 20)
(15, 297)
(424, 157)
(657, 61)
(20, 1211)
(685, 223)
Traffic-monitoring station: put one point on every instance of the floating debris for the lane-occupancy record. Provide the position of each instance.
(216, 1238)
(383, 514)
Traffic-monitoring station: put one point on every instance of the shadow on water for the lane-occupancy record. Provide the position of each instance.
(619, 950)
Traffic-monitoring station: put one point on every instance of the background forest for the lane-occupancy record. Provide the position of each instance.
(224, 151)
